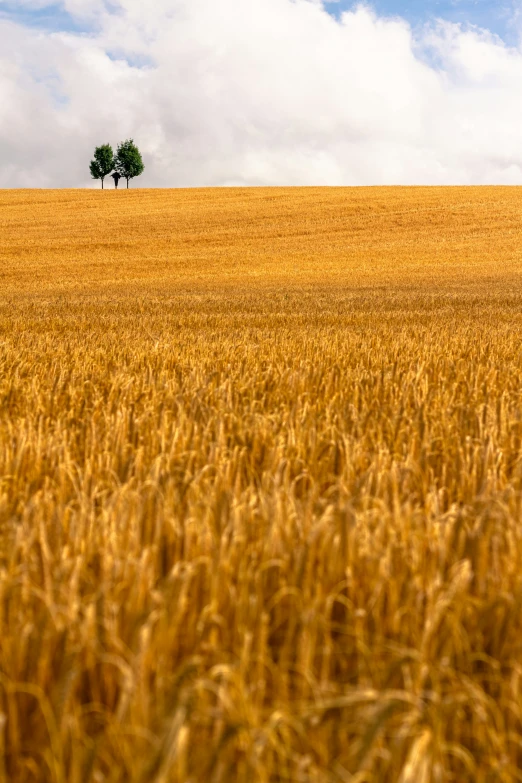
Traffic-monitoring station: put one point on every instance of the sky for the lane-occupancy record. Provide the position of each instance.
(263, 92)
(496, 17)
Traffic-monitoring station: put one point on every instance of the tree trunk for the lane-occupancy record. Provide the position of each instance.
(127, 183)
(102, 183)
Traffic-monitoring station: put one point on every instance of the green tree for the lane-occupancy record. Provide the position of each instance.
(128, 160)
(103, 162)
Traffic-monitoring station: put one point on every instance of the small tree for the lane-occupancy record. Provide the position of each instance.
(128, 160)
(103, 162)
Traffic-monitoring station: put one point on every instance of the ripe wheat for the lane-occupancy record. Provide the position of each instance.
(261, 486)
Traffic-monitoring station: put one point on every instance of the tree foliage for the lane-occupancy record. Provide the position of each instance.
(129, 162)
(103, 162)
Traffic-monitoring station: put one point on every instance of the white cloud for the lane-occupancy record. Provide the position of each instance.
(258, 92)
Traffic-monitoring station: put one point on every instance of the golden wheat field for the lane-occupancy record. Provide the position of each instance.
(261, 486)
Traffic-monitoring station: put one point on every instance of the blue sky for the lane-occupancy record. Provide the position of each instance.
(495, 16)
(48, 18)
(263, 92)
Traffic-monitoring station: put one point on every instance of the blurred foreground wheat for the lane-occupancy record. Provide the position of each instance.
(261, 513)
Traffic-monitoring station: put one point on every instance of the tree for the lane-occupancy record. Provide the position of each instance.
(128, 160)
(103, 162)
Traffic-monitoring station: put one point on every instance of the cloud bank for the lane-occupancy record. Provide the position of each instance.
(257, 92)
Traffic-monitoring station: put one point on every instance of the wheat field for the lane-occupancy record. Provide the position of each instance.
(261, 486)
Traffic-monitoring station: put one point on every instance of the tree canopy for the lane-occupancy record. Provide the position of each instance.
(128, 161)
(103, 162)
